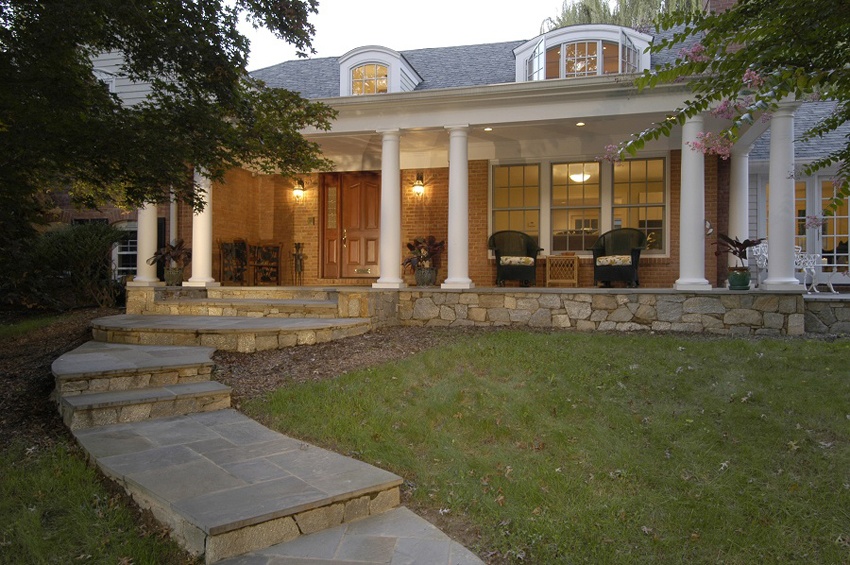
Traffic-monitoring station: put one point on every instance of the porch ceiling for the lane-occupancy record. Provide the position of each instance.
(528, 121)
(428, 147)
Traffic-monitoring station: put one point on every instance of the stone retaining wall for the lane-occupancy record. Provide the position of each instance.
(719, 312)
(827, 316)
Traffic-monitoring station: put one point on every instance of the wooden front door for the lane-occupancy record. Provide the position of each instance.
(351, 212)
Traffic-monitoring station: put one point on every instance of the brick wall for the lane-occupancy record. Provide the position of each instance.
(262, 208)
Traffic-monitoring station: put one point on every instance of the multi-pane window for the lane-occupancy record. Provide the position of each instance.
(371, 78)
(835, 232)
(630, 56)
(576, 206)
(639, 198)
(536, 63)
(516, 198)
(581, 59)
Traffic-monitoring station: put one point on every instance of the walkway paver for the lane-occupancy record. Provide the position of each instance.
(227, 485)
(397, 537)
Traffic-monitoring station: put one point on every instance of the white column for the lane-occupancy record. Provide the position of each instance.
(739, 200)
(780, 220)
(145, 246)
(458, 275)
(172, 219)
(692, 212)
(202, 239)
(389, 261)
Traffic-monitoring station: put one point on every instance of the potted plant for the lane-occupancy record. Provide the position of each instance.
(173, 257)
(424, 259)
(739, 276)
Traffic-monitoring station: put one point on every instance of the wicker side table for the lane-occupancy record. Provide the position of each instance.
(562, 269)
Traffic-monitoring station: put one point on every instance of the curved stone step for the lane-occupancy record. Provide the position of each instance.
(250, 307)
(227, 333)
(108, 367)
(106, 408)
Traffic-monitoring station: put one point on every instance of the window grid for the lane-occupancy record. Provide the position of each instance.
(581, 59)
(370, 78)
(640, 198)
(630, 59)
(576, 205)
(516, 198)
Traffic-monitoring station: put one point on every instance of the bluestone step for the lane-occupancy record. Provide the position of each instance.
(104, 408)
(227, 485)
(103, 367)
(227, 333)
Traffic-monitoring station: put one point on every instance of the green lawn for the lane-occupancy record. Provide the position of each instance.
(54, 509)
(569, 447)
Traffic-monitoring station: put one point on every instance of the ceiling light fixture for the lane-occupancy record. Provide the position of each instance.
(579, 177)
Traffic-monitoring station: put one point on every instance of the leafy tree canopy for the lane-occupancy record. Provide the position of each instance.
(61, 128)
(742, 63)
(636, 14)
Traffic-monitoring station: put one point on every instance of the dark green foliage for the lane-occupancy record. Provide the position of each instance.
(754, 56)
(60, 126)
(66, 268)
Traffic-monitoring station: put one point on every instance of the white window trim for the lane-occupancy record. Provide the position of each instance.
(593, 32)
(401, 76)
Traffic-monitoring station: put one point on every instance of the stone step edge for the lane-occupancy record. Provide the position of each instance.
(131, 379)
(183, 368)
(293, 302)
(242, 340)
(322, 324)
(95, 400)
(260, 532)
(78, 414)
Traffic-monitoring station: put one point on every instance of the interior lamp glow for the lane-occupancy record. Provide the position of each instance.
(418, 185)
(579, 177)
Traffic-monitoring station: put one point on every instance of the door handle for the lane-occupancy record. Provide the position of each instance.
(344, 237)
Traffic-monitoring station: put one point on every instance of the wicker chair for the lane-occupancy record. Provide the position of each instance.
(516, 257)
(616, 256)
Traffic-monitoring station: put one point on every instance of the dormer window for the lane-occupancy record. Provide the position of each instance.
(375, 70)
(582, 51)
(371, 78)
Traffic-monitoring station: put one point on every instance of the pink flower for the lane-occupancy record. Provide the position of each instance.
(694, 53)
(752, 79)
(710, 143)
(612, 154)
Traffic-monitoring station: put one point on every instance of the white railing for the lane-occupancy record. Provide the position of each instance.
(811, 265)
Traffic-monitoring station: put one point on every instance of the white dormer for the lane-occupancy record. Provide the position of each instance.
(375, 70)
(582, 50)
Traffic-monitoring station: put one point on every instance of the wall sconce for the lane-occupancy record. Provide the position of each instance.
(418, 185)
(298, 191)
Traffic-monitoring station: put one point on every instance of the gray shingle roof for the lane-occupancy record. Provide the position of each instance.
(439, 67)
(807, 115)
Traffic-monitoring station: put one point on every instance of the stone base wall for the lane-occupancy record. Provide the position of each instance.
(827, 316)
(718, 312)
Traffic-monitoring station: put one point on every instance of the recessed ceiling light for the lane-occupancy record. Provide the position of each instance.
(580, 124)
(488, 129)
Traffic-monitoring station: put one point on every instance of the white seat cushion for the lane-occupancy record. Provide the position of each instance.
(513, 260)
(612, 260)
